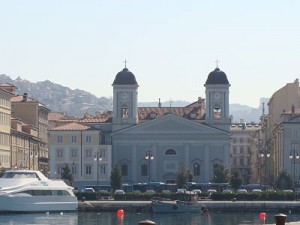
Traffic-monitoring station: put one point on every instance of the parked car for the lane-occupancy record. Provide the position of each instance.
(180, 191)
(119, 192)
(89, 190)
(242, 191)
(166, 191)
(210, 191)
(257, 190)
(150, 192)
(227, 191)
(196, 191)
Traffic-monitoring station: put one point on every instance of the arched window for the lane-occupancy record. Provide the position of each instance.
(217, 112)
(170, 152)
(197, 169)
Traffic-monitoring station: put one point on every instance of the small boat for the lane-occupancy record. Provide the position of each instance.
(32, 191)
(188, 203)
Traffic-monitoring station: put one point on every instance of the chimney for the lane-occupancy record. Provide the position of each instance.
(25, 96)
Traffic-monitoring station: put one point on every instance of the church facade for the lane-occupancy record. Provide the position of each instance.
(153, 143)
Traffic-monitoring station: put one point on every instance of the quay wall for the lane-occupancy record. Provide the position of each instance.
(222, 206)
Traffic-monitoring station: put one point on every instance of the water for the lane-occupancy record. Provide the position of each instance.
(107, 218)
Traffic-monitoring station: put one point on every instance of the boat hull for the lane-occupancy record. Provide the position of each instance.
(37, 204)
(176, 207)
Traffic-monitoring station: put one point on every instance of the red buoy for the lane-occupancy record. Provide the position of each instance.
(120, 213)
(262, 216)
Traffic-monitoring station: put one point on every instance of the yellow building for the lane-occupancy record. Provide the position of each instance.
(83, 149)
(35, 114)
(282, 129)
(5, 113)
(24, 145)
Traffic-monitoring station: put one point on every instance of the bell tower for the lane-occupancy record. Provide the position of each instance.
(217, 100)
(125, 99)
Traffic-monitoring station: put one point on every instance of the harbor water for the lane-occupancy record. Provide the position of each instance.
(109, 218)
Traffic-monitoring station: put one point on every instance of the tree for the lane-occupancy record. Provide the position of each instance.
(221, 174)
(236, 179)
(2, 171)
(284, 181)
(116, 179)
(182, 177)
(66, 174)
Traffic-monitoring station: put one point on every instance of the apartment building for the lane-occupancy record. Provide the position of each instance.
(5, 114)
(83, 149)
(283, 130)
(241, 152)
(34, 114)
(24, 145)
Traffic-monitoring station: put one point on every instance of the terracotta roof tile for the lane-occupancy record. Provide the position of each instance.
(71, 126)
(55, 116)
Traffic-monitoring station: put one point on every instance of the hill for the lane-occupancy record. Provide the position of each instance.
(77, 102)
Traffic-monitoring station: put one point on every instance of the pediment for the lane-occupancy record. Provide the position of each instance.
(171, 124)
(295, 120)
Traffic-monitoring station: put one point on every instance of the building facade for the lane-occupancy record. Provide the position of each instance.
(281, 130)
(82, 148)
(196, 136)
(5, 115)
(35, 114)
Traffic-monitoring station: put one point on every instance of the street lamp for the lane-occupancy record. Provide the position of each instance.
(264, 155)
(294, 156)
(149, 157)
(97, 158)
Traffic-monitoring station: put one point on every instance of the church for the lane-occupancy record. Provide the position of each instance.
(151, 144)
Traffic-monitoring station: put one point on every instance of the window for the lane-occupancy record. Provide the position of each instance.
(102, 169)
(241, 161)
(74, 169)
(249, 150)
(88, 169)
(217, 112)
(59, 169)
(170, 152)
(196, 169)
(234, 150)
(73, 138)
(144, 170)
(241, 150)
(124, 170)
(74, 153)
(59, 153)
(88, 138)
(88, 153)
(241, 140)
(59, 139)
(124, 113)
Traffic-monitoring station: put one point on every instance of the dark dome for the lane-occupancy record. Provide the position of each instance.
(125, 77)
(217, 77)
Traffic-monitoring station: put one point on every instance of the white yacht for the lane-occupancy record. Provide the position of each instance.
(32, 191)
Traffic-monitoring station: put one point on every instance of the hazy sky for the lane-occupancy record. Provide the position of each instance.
(171, 46)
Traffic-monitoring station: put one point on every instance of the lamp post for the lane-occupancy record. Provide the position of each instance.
(97, 158)
(149, 157)
(265, 155)
(293, 156)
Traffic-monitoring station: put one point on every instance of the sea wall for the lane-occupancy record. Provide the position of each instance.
(223, 206)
